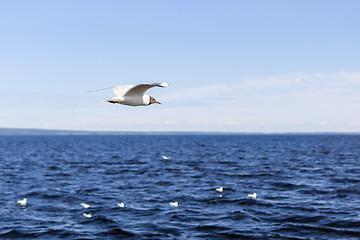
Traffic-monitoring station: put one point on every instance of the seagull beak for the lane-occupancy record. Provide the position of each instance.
(158, 102)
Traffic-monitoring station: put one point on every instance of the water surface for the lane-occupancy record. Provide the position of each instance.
(308, 187)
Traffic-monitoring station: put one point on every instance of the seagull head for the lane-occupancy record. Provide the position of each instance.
(153, 100)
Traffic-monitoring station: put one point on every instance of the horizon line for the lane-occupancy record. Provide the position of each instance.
(43, 131)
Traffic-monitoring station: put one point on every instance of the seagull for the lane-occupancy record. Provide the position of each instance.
(88, 215)
(174, 204)
(220, 189)
(134, 95)
(253, 196)
(121, 204)
(165, 157)
(85, 205)
(22, 202)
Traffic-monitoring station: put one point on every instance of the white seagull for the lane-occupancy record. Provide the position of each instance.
(134, 95)
(121, 204)
(165, 157)
(220, 189)
(88, 215)
(22, 202)
(253, 196)
(174, 204)
(85, 205)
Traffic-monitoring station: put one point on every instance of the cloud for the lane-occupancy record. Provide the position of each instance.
(234, 123)
(285, 84)
(306, 80)
(357, 124)
(237, 123)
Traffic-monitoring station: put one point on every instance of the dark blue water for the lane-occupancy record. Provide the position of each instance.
(308, 187)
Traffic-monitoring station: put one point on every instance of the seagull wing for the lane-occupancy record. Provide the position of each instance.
(140, 89)
(121, 90)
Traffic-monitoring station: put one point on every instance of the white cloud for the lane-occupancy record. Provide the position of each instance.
(234, 123)
(237, 123)
(354, 124)
(314, 83)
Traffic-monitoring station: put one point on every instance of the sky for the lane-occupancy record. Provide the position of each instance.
(231, 66)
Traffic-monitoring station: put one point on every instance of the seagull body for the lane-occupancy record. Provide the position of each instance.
(174, 204)
(253, 196)
(22, 202)
(88, 215)
(220, 189)
(165, 157)
(121, 204)
(85, 205)
(134, 95)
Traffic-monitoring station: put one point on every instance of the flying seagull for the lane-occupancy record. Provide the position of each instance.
(134, 95)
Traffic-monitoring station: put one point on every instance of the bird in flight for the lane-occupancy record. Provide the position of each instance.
(133, 95)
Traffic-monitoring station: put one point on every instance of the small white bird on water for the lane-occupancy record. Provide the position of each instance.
(134, 95)
(174, 204)
(165, 157)
(253, 196)
(88, 215)
(22, 202)
(85, 205)
(121, 204)
(220, 189)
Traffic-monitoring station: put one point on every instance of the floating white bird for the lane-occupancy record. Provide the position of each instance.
(133, 95)
(121, 204)
(220, 189)
(85, 205)
(88, 215)
(22, 202)
(253, 196)
(174, 204)
(165, 157)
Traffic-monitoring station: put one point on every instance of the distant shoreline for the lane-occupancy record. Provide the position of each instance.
(49, 132)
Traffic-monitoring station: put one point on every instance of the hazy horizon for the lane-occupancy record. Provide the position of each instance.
(36, 131)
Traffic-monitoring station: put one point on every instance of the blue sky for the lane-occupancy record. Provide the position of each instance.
(238, 66)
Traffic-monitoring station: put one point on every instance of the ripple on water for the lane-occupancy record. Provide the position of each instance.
(307, 187)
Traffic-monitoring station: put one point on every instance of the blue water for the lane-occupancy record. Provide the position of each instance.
(308, 187)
